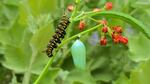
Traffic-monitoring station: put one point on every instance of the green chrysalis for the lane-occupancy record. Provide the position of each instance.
(78, 52)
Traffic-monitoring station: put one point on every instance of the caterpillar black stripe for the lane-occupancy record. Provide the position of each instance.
(59, 33)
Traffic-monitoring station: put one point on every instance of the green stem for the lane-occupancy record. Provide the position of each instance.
(64, 56)
(62, 44)
(93, 19)
(135, 23)
(134, 11)
(80, 34)
(44, 70)
(52, 58)
(27, 75)
(74, 13)
(28, 71)
(121, 16)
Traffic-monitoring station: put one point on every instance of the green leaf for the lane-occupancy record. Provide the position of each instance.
(50, 76)
(79, 77)
(23, 15)
(122, 80)
(5, 37)
(139, 46)
(141, 4)
(79, 54)
(12, 2)
(140, 75)
(16, 33)
(77, 1)
(8, 15)
(17, 56)
(42, 6)
(38, 44)
(41, 38)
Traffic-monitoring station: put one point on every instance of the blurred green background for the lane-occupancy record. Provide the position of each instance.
(27, 25)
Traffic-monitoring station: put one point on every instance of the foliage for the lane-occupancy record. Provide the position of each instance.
(27, 25)
(140, 75)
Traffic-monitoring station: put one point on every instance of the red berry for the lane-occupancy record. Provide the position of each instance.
(103, 41)
(96, 10)
(119, 38)
(115, 36)
(103, 22)
(124, 40)
(116, 40)
(70, 8)
(117, 29)
(81, 25)
(108, 6)
(105, 29)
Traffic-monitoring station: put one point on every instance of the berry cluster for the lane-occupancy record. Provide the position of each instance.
(104, 30)
(108, 6)
(116, 34)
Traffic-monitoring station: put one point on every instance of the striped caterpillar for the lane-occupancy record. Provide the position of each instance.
(59, 33)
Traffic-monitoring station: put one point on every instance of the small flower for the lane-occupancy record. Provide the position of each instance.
(103, 41)
(108, 6)
(105, 29)
(94, 38)
(81, 25)
(70, 8)
(96, 10)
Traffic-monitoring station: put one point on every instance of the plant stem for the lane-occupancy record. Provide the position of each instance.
(26, 78)
(54, 55)
(93, 19)
(135, 23)
(44, 70)
(63, 43)
(73, 13)
(64, 56)
(75, 36)
(28, 71)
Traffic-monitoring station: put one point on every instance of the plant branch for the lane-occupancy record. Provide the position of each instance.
(62, 44)
(127, 18)
(80, 34)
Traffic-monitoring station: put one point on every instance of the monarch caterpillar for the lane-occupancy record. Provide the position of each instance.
(59, 33)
